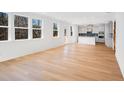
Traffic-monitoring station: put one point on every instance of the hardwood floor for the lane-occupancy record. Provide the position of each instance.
(69, 62)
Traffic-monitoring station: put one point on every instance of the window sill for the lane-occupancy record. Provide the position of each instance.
(4, 41)
(55, 37)
(36, 38)
(21, 40)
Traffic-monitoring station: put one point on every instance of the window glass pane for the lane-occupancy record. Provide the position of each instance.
(36, 23)
(3, 19)
(3, 34)
(36, 33)
(55, 26)
(64, 32)
(71, 33)
(71, 30)
(55, 30)
(55, 33)
(21, 33)
(20, 21)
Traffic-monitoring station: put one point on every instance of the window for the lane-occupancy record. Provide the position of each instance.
(55, 30)
(21, 27)
(65, 32)
(71, 30)
(3, 26)
(3, 19)
(36, 28)
(21, 33)
(21, 21)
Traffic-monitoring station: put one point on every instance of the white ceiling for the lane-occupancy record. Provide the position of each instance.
(82, 17)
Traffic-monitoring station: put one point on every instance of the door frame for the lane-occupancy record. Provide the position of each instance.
(114, 36)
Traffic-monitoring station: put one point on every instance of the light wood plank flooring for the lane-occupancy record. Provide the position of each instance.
(69, 62)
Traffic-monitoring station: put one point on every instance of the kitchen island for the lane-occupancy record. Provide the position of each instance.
(86, 40)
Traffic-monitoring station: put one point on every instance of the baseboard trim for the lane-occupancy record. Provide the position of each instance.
(119, 65)
(34, 52)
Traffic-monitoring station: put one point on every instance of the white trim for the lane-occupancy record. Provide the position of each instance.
(22, 15)
(58, 36)
(116, 56)
(4, 26)
(37, 38)
(22, 39)
(8, 27)
(2, 41)
(22, 27)
(36, 29)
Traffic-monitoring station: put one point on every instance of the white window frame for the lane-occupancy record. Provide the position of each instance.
(37, 28)
(71, 31)
(57, 30)
(1, 26)
(20, 27)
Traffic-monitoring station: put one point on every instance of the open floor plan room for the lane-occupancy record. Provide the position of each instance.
(78, 46)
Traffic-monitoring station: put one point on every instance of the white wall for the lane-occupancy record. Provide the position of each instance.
(16, 48)
(108, 32)
(83, 17)
(120, 40)
(73, 38)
